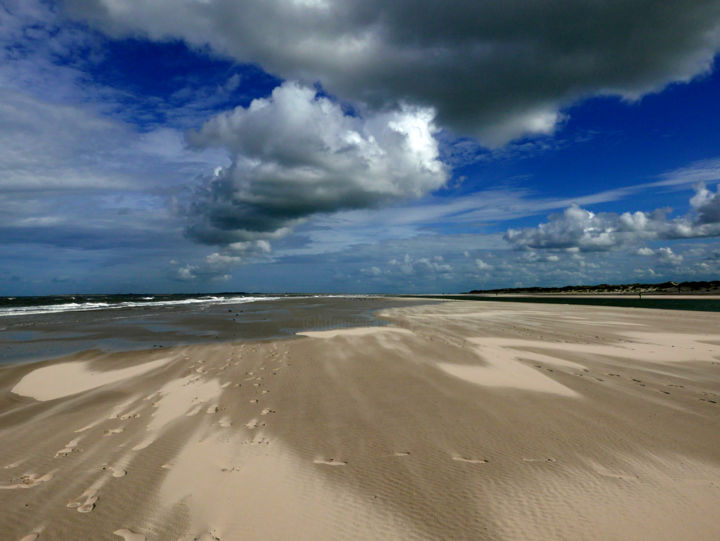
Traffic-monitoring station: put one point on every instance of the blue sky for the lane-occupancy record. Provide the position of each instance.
(320, 145)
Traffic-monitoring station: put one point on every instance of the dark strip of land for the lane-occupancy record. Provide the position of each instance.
(698, 303)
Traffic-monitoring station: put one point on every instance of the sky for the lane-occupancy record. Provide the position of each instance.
(356, 147)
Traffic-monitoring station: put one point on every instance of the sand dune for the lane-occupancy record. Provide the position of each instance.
(458, 420)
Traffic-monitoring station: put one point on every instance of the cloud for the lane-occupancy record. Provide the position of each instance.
(707, 205)
(578, 228)
(493, 69)
(296, 154)
(668, 257)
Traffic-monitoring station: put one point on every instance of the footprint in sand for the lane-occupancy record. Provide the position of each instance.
(87, 505)
(470, 460)
(69, 448)
(330, 462)
(254, 424)
(30, 537)
(402, 453)
(115, 472)
(548, 459)
(112, 431)
(266, 411)
(28, 480)
(129, 535)
(212, 409)
(253, 401)
(225, 422)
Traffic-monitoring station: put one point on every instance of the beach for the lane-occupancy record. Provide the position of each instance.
(431, 420)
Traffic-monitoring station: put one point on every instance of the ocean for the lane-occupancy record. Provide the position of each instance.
(40, 328)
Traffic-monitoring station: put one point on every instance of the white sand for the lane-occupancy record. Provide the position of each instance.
(65, 379)
(354, 331)
(461, 420)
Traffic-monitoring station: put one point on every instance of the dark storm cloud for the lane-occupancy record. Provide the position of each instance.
(493, 69)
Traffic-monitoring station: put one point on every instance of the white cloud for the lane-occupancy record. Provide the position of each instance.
(297, 154)
(706, 204)
(584, 230)
(668, 257)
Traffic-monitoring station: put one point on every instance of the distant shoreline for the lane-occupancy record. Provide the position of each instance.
(700, 288)
(700, 303)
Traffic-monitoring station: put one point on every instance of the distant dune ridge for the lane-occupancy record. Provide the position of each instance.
(458, 420)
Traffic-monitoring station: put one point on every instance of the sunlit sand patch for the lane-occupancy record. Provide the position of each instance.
(65, 379)
(502, 369)
(489, 346)
(179, 398)
(129, 535)
(33, 536)
(354, 331)
(643, 346)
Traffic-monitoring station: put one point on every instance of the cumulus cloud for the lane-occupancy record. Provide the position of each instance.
(668, 257)
(422, 266)
(296, 154)
(581, 229)
(493, 69)
(707, 205)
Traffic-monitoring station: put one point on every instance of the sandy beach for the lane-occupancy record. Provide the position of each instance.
(457, 420)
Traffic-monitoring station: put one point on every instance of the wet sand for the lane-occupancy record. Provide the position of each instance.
(458, 420)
